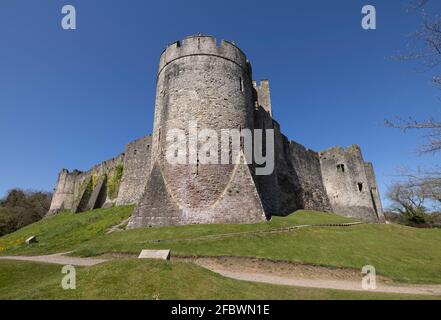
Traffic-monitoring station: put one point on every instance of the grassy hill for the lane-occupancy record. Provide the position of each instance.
(141, 279)
(87, 232)
(401, 253)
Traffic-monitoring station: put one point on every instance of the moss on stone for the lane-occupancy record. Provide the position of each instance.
(114, 181)
(86, 188)
(94, 181)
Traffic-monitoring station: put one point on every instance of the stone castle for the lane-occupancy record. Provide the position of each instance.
(199, 79)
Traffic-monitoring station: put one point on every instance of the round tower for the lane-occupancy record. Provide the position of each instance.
(201, 82)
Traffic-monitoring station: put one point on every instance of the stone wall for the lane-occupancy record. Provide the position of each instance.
(208, 84)
(375, 193)
(86, 182)
(297, 181)
(120, 180)
(263, 95)
(346, 182)
(239, 203)
(306, 164)
(63, 192)
(136, 171)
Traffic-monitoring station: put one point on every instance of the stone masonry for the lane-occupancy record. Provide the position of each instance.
(211, 84)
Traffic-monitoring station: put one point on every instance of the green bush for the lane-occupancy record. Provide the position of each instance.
(20, 208)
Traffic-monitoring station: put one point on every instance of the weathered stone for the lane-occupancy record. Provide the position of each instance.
(32, 239)
(155, 254)
(69, 194)
(211, 83)
(347, 184)
(136, 173)
(64, 192)
(98, 196)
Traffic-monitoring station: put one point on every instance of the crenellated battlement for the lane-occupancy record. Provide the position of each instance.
(353, 150)
(210, 82)
(203, 45)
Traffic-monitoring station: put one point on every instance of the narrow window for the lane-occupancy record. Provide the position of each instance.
(241, 138)
(197, 163)
(134, 152)
(241, 84)
(159, 141)
(360, 186)
(340, 167)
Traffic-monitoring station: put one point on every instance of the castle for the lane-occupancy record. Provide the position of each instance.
(201, 80)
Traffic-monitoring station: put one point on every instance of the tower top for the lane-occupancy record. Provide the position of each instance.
(200, 44)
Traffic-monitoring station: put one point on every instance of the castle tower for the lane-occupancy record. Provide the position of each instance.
(208, 86)
(350, 184)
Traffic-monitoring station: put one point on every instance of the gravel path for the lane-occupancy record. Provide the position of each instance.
(280, 273)
(285, 273)
(58, 258)
(327, 284)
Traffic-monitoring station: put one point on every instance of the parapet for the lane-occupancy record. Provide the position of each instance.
(203, 45)
(353, 150)
(263, 95)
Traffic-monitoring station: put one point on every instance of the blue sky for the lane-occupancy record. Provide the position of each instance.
(70, 99)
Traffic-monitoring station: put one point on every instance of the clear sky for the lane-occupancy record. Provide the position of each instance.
(71, 99)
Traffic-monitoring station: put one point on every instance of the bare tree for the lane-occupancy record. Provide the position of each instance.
(428, 182)
(428, 52)
(408, 201)
(432, 128)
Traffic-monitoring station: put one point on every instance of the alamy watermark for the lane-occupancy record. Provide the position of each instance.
(69, 281)
(369, 280)
(69, 21)
(369, 21)
(205, 146)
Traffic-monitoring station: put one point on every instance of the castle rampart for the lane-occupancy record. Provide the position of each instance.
(120, 180)
(136, 171)
(346, 182)
(211, 86)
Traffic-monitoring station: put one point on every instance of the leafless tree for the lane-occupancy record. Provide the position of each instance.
(431, 127)
(408, 201)
(428, 182)
(428, 52)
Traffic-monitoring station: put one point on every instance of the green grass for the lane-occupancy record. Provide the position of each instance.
(67, 231)
(142, 279)
(63, 232)
(401, 253)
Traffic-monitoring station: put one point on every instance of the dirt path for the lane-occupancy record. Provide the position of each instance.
(284, 273)
(58, 258)
(264, 271)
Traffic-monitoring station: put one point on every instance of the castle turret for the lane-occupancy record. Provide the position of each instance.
(207, 85)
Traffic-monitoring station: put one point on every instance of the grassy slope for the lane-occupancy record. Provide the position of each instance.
(63, 232)
(141, 279)
(67, 231)
(402, 253)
